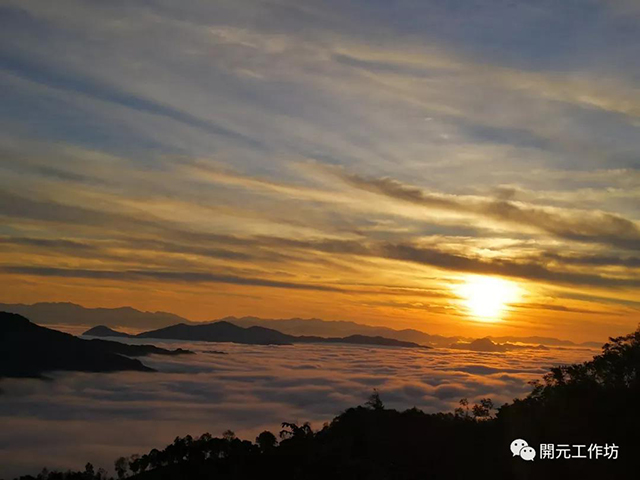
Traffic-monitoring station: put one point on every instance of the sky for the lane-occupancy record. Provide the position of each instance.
(456, 167)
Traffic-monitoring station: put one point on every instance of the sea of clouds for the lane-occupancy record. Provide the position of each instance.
(81, 417)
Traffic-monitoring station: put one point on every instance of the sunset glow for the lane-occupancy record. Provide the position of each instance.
(245, 217)
(487, 298)
(244, 158)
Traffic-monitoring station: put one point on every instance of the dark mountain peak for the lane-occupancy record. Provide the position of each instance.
(13, 317)
(29, 350)
(224, 323)
(103, 331)
(221, 331)
(224, 331)
(10, 322)
(127, 309)
(257, 328)
(377, 340)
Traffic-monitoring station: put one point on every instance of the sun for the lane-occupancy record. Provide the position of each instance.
(487, 298)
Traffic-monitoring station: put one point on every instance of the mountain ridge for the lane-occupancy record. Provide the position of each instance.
(223, 331)
(67, 313)
(49, 313)
(314, 325)
(486, 344)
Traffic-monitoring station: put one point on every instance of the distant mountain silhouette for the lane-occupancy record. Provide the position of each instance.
(104, 331)
(488, 345)
(228, 332)
(338, 328)
(72, 314)
(130, 318)
(545, 341)
(220, 332)
(315, 326)
(29, 350)
(360, 340)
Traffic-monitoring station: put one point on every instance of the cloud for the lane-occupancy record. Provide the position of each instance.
(405, 252)
(162, 276)
(249, 390)
(175, 147)
(55, 78)
(595, 260)
(532, 271)
(20, 207)
(570, 224)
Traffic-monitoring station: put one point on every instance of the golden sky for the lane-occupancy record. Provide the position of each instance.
(466, 171)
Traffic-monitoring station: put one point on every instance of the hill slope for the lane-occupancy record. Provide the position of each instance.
(29, 350)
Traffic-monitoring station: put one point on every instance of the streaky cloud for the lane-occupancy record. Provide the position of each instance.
(162, 276)
(570, 224)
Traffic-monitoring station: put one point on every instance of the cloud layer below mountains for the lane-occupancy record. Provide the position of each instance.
(81, 417)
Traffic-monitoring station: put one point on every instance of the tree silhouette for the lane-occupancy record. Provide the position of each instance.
(292, 431)
(89, 470)
(135, 464)
(483, 409)
(121, 466)
(267, 441)
(463, 410)
(374, 402)
(229, 435)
